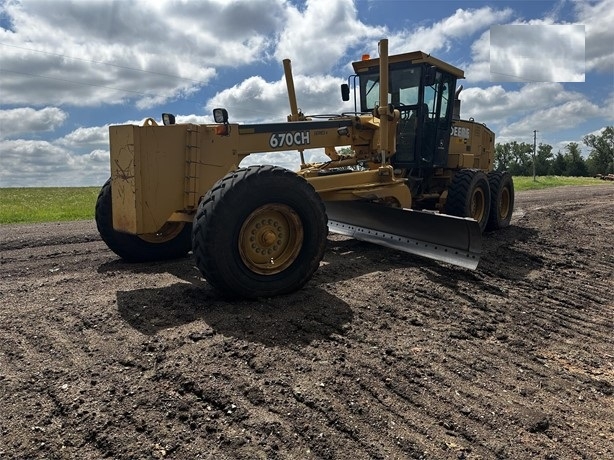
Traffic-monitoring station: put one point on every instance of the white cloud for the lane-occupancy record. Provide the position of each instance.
(321, 34)
(28, 120)
(101, 156)
(256, 100)
(42, 164)
(521, 52)
(552, 119)
(441, 35)
(598, 17)
(95, 135)
(479, 68)
(546, 107)
(496, 104)
(36, 76)
(196, 119)
(46, 60)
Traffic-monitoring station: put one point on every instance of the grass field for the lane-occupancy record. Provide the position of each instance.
(48, 204)
(527, 183)
(53, 204)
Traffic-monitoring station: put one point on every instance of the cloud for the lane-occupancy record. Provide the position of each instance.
(196, 119)
(78, 158)
(94, 135)
(479, 68)
(546, 107)
(321, 34)
(256, 100)
(598, 18)
(442, 34)
(36, 76)
(100, 156)
(92, 53)
(552, 119)
(496, 104)
(549, 53)
(41, 164)
(28, 120)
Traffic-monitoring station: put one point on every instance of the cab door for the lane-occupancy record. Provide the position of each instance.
(437, 102)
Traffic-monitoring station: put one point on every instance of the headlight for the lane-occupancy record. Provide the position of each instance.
(220, 115)
(168, 119)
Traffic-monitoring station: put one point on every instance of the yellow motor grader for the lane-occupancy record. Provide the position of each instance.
(410, 175)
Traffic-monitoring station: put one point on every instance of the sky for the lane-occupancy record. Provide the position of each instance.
(69, 69)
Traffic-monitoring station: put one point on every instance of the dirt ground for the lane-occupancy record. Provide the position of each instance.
(382, 355)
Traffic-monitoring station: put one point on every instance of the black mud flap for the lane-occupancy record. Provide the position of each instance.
(455, 240)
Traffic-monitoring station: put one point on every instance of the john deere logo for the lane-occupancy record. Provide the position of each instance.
(458, 131)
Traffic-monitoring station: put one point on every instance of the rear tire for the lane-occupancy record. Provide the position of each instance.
(259, 232)
(174, 239)
(502, 199)
(469, 196)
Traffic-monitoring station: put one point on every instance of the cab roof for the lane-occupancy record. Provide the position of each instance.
(415, 57)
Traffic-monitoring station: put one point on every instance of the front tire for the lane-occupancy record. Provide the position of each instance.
(259, 232)
(172, 241)
(469, 196)
(502, 202)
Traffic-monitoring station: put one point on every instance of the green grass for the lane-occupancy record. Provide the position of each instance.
(47, 204)
(54, 204)
(527, 183)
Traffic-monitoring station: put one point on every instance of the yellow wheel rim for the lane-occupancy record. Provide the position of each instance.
(477, 204)
(169, 231)
(270, 239)
(504, 205)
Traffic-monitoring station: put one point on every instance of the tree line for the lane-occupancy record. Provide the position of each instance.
(517, 158)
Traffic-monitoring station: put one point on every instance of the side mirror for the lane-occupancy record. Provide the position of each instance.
(430, 76)
(345, 92)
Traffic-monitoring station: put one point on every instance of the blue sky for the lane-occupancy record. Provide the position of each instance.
(68, 70)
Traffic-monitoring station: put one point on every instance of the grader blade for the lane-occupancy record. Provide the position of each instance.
(455, 240)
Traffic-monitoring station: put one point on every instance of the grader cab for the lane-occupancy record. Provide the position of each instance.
(417, 180)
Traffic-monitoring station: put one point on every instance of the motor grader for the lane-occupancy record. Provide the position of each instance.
(403, 171)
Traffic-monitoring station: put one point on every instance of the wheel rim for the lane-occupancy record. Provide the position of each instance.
(477, 204)
(270, 239)
(169, 231)
(504, 205)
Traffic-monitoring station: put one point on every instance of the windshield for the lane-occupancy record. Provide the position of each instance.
(403, 88)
